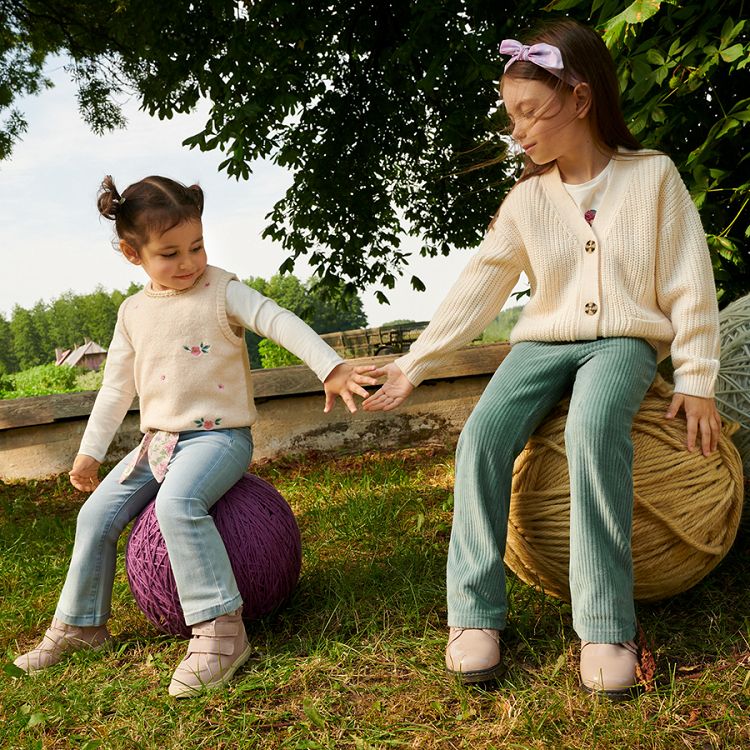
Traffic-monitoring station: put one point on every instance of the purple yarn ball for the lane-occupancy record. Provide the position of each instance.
(263, 542)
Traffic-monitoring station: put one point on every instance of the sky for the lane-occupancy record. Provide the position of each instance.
(52, 239)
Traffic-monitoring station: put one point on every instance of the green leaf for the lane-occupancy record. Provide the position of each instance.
(655, 57)
(563, 4)
(312, 713)
(637, 12)
(13, 671)
(36, 718)
(732, 53)
(730, 30)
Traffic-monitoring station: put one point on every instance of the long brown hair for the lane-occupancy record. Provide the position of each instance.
(148, 207)
(587, 59)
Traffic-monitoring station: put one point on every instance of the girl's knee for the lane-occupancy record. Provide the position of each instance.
(587, 422)
(491, 434)
(168, 508)
(172, 510)
(95, 521)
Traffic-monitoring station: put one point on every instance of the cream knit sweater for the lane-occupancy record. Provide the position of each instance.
(648, 277)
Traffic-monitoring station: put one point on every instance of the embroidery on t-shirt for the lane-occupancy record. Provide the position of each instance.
(590, 215)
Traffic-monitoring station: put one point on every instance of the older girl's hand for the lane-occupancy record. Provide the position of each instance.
(84, 475)
(702, 416)
(345, 380)
(393, 392)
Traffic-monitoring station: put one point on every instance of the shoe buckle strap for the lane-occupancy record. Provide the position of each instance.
(221, 646)
(218, 628)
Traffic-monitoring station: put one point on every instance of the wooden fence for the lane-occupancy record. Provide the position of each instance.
(39, 437)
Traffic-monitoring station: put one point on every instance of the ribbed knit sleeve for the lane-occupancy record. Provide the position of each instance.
(472, 303)
(685, 289)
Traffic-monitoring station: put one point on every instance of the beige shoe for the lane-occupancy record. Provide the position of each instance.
(59, 640)
(216, 651)
(609, 668)
(473, 654)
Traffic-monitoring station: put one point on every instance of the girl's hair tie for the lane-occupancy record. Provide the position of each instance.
(546, 56)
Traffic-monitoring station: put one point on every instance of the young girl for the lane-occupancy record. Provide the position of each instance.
(620, 276)
(179, 344)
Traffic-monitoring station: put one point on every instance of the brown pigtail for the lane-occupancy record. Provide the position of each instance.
(197, 191)
(108, 199)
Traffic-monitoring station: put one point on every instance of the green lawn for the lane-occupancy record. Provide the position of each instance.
(355, 659)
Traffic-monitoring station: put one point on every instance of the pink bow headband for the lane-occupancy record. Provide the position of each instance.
(544, 55)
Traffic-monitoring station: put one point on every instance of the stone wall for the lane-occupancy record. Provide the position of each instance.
(39, 437)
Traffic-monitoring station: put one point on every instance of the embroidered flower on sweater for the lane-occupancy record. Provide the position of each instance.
(207, 424)
(197, 351)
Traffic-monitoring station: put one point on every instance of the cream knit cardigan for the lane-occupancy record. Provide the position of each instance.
(649, 275)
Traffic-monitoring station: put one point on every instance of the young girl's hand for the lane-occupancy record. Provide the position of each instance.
(344, 380)
(84, 475)
(702, 415)
(393, 392)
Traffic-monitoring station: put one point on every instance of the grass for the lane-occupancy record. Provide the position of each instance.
(355, 658)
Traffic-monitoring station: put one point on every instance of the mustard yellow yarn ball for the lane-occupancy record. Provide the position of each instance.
(686, 513)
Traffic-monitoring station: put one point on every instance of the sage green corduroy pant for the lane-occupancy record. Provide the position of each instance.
(609, 378)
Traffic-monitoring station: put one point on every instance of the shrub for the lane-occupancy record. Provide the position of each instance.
(89, 380)
(43, 380)
(273, 355)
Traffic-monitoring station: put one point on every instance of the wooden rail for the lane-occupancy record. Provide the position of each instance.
(279, 382)
(39, 436)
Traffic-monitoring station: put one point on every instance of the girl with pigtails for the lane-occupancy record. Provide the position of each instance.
(179, 345)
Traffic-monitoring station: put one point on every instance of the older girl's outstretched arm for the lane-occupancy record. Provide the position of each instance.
(472, 303)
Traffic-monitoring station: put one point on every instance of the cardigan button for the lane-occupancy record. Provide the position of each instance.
(591, 308)
(590, 246)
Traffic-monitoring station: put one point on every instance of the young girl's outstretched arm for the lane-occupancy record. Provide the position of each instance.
(251, 309)
(345, 381)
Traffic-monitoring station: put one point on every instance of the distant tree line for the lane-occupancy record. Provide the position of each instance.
(31, 335)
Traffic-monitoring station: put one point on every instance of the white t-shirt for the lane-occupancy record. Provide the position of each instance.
(588, 195)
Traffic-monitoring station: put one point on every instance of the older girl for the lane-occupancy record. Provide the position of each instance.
(620, 277)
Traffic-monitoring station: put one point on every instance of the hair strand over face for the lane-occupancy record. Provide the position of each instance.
(587, 59)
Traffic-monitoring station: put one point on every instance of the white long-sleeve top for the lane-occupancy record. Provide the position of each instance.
(245, 308)
(645, 273)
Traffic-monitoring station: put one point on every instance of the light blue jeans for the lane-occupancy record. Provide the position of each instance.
(204, 465)
(608, 379)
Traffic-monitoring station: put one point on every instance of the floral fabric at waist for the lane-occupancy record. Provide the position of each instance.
(159, 445)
